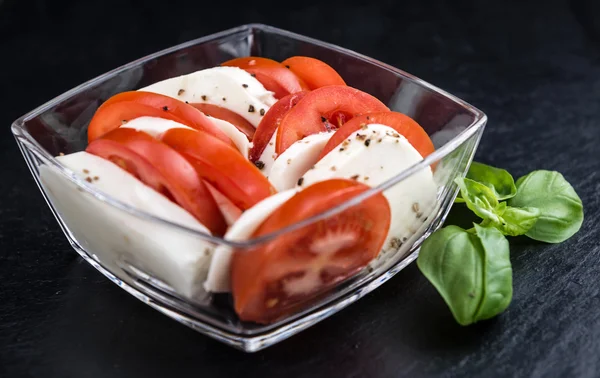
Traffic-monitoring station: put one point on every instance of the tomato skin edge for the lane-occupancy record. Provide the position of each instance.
(401, 123)
(314, 72)
(270, 122)
(273, 75)
(215, 111)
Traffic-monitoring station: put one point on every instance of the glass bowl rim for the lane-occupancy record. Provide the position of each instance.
(24, 138)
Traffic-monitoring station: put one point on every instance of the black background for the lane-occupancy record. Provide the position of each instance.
(533, 67)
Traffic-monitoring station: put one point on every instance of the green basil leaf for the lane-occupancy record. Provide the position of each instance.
(500, 182)
(561, 209)
(471, 271)
(450, 259)
(500, 209)
(497, 273)
(479, 198)
(517, 221)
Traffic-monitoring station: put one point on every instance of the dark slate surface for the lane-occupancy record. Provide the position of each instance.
(535, 70)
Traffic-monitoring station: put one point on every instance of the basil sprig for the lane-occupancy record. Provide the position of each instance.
(471, 269)
(499, 181)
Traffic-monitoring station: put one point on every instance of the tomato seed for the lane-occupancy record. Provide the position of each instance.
(270, 303)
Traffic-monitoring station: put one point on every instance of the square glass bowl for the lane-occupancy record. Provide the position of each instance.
(101, 228)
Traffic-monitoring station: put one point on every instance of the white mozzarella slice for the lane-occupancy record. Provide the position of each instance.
(219, 274)
(373, 155)
(268, 156)
(296, 160)
(153, 126)
(236, 136)
(228, 87)
(117, 238)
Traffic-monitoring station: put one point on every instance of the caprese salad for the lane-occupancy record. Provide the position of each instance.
(243, 150)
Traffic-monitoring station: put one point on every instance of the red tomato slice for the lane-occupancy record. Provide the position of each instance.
(280, 276)
(111, 117)
(403, 124)
(273, 75)
(187, 113)
(227, 115)
(316, 111)
(222, 166)
(270, 123)
(163, 169)
(230, 212)
(315, 73)
(271, 84)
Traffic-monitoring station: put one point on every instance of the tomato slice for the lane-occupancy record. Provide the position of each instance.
(227, 115)
(278, 277)
(403, 124)
(163, 169)
(230, 212)
(112, 116)
(222, 166)
(315, 73)
(324, 109)
(270, 123)
(188, 115)
(271, 84)
(273, 75)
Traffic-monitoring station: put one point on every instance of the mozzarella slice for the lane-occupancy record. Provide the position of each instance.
(373, 155)
(268, 156)
(153, 126)
(296, 160)
(237, 137)
(219, 279)
(117, 238)
(228, 87)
